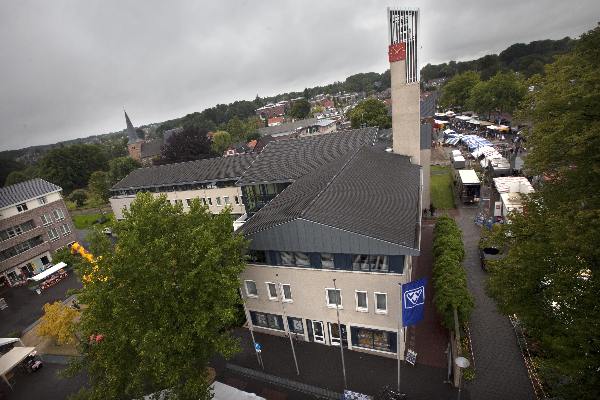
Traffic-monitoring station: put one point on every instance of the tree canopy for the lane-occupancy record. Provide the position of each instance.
(300, 109)
(370, 112)
(99, 185)
(550, 277)
(220, 142)
(503, 93)
(190, 144)
(162, 300)
(456, 91)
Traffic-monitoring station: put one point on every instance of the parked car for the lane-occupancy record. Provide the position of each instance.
(487, 254)
(107, 231)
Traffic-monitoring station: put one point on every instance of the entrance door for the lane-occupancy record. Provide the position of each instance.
(334, 334)
(318, 331)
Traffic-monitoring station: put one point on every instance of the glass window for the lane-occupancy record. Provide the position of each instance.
(361, 301)
(381, 303)
(209, 201)
(273, 322)
(58, 214)
(42, 200)
(218, 200)
(21, 207)
(334, 297)
(226, 200)
(287, 258)
(257, 256)
(379, 263)
(261, 319)
(295, 325)
(327, 261)
(46, 219)
(251, 289)
(302, 259)
(272, 290)
(237, 200)
(188, 202)
(372, 339)
(360, 262)
(365, 262)
(65, 229)
(287, 292)
(53, 234)
(266, 320)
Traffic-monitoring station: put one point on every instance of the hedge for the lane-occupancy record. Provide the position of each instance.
(449, 277)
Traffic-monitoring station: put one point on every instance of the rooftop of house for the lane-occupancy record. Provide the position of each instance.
(368, 192)
(151, 148)
(24, 191)
(287, 127)
(289, 159)
(189, 172)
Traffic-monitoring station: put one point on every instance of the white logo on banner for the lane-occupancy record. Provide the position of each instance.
(415, 297)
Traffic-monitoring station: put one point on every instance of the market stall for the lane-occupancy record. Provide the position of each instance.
(11, 359)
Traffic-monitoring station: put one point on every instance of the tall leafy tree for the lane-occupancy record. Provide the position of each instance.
(550, 277)
(457, 90)
(370, 112)
(99, 185)
(502, 93)
(160, 303)
(190, 144)
(119, 168)
(220, 142)
(300, 109)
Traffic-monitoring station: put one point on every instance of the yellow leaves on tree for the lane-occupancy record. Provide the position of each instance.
(58, 322)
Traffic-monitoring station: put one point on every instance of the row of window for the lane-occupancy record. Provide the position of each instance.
(58, 214)
(373, 339)
(20, 247)
(23, 206)
(207, 201)
(333, 297)
(354, 262)
(177, 188)
(53, 232)
(16, 230)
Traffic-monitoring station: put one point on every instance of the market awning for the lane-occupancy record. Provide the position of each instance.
(440, 122)
(48, 272)
(8, 340)
(11, 359)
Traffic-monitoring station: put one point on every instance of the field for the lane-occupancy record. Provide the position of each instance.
(442, 195)
(86, 221)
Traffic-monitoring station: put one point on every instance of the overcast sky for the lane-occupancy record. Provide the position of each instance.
(69, 67)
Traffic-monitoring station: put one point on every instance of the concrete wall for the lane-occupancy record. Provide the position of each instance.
(309, 296)
(426, 163)
(117, 203)
(406, 114)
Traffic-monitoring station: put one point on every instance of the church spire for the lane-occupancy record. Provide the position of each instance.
(131, 133)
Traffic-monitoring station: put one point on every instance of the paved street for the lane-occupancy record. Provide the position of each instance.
(499, 366)
(25, 306)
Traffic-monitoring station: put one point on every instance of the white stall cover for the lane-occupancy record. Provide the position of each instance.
(48, 272)
(446, 131)
(11, 359)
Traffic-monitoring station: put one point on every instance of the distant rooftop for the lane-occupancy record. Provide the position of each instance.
(24, 191)
(287, 127)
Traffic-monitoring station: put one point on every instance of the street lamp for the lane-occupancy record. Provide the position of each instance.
(461, 363)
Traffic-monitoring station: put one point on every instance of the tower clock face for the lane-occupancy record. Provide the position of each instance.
(397, 52)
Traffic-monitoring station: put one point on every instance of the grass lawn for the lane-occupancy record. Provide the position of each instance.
(442, 195)
(86, 221)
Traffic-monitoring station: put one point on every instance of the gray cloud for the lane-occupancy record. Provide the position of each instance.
(70, 66)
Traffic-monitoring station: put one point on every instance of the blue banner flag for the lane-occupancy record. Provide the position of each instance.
(413, 302)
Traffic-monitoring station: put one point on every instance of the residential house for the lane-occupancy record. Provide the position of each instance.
(302, 127)
(211, 180)
(273, 110)
(34, 222)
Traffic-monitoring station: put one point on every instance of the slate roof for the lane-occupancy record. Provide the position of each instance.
(370, 192)
(207, 170)
(288, 159)
(287, 127)
(23, 191)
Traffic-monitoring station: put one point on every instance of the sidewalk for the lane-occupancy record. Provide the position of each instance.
(321, 366)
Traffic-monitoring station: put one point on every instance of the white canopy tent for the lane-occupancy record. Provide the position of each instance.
(48, 272)
(9, 340)
(449, 131)
(463, 117)
(11, 359)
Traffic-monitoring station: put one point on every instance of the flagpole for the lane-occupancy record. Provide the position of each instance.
(286, 323)
(337, 310)
(250, 328)
(399, 340)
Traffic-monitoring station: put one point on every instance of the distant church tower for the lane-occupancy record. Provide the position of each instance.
(403, 52)
(134, 144)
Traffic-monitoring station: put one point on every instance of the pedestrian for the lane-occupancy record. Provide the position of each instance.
(425, 212)
(432, 210)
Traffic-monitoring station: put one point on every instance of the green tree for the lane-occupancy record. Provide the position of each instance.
(70, 167)
(163, 301)
(300, 109)
(119, 168)
(550, 276)
(99, 185)
(236, 129)
(16, 177)
(58, 322)
(220, 142)
(370, 112)
(190, 144)
(457, 90)
(502, 93)
(78, 196)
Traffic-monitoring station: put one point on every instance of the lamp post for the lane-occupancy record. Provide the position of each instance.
(461, 363)
(285, 323)
(337, 310)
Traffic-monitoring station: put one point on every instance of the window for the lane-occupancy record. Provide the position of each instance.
(188, 202)
(257, 256)
(176, 202)
(46, 219)
(58, 214)
(251, 289)
(373, 339)
(287, 293)
(21, 207)
(297, 258)
(302, 259)
(218, 200)
(295, 325)
(266, 320)
(237, 200)
(53, 234)
(226, 200)
(327, 261)
(209, 201)
(287, 258)
(334, 297)
(42, 200)
(364, 262)
(380, 303)
(362, 303)
(65, 229)
(271, 290)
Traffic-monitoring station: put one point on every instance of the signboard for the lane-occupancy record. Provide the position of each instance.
(413, 302)
(497, 209)
(411, 356)
(257, 347)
